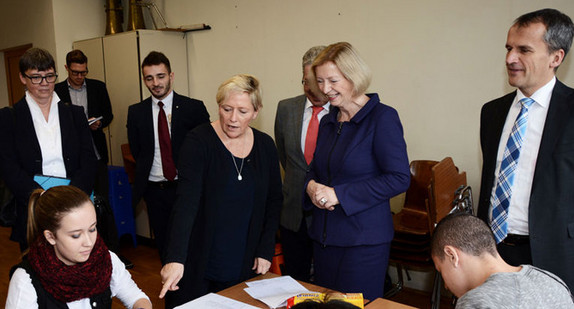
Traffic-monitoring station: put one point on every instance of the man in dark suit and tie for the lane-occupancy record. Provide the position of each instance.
(527, 140)
(156, 129)
(296, 127)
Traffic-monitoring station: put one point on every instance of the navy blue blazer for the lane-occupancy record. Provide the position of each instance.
(21, 156)
(551, 208)
(98, 105)
(365, 160)
(186, 114)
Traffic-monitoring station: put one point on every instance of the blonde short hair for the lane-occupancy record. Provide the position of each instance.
(241, 83)
(347, 59)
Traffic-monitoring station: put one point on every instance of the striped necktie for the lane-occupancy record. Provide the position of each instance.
(500, 199)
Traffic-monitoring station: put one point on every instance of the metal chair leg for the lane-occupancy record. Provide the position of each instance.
(437, 286)
(397, 287)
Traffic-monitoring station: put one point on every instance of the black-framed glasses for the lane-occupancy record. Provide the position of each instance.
(76, 73)
(37, 79)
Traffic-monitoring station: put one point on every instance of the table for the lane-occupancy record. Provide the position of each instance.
(381, 303)
(236, 292)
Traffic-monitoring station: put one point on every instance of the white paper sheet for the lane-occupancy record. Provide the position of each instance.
(215, 301)
(274, 292)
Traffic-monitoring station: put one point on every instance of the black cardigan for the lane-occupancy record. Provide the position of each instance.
(198, 193)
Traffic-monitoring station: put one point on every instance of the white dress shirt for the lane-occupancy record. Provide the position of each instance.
(49, 136)
(307, 118)
(522, 185)
(156, 172)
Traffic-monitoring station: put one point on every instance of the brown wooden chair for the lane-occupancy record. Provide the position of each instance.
(413, 218)
(129, 162)
(445, 181)
(412, 250)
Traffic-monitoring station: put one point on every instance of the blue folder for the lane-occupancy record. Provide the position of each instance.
(46, 182)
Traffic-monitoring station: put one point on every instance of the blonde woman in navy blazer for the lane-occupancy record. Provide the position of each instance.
(361, 163)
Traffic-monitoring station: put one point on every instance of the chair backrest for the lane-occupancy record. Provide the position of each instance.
(445, 181)
(129, 162)
(418, 193)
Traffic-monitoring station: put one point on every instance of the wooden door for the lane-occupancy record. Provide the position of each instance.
(11, 59)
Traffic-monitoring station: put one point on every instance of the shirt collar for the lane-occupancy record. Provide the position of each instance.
(542, 96)
(167, 101)
(309, 105)
(81, 87)
(32, 104)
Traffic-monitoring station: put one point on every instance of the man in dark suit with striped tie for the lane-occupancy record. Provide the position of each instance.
(527, 178)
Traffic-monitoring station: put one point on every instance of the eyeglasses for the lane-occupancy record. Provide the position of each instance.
(76, 73)
(37, 79)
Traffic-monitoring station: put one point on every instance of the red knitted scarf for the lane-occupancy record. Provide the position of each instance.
(70, 283)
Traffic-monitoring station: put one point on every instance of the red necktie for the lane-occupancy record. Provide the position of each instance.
(311, 138)
(167, 164)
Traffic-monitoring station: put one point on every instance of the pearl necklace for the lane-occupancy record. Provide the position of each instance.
(239, 170)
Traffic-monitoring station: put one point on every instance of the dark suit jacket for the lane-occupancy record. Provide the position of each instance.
(288, 128)
(551, 208)
(98, 105)
(365, 161)
(21, 156)
(186, 114)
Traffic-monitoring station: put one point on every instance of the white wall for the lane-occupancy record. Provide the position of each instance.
(24, 22)
(437, 62)
(75, 20)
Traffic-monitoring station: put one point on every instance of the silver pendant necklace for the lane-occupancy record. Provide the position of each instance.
(239, 177)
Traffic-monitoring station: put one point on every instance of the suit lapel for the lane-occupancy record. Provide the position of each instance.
(65, 92)
(297, 123)
(66, 126)
(559, 111)
(499, 118)
(147, 121)
(175, 115)
(90, 96)
(25, 125)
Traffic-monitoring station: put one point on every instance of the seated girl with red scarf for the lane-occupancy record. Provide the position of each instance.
(68, 265)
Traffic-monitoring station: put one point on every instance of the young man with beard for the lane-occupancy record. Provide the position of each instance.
(156, 129)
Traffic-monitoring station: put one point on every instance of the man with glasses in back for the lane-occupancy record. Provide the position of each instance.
(92, 95)
(40, 135)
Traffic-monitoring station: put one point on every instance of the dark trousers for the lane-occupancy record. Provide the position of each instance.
(297, 252)
(515, 254)
(358, 269)
(159, 198)
(106, 221)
